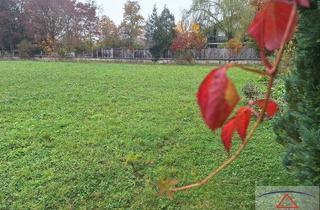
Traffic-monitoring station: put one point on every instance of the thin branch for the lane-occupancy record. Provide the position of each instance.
(272, 73)
(256, 114)
(252, 70)
(265, 60)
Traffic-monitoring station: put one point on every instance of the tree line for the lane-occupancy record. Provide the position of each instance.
(65, 26)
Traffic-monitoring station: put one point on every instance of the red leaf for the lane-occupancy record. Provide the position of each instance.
(217, 97)
(242, 121)
(272, 107)
(226, 134)
(269, 25)
(304, 3)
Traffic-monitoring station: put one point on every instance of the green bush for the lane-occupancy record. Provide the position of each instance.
(298, 128)
(278, 92)
(251, 91)
(287, 63)
(184, 57)
(25, 49)
(62, 50)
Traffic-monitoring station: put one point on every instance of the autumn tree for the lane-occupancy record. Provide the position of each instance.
(131, 27)
(50, 24)
(109, 33)
(11, 23)
(187, 41)
(46, 18)
(62, 23)
(87, 24)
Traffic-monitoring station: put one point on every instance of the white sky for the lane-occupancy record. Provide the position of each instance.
(114, 8)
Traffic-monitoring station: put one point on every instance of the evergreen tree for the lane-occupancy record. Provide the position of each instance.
(164, 33)
(151, 26)
(299, 127)
(165, 30)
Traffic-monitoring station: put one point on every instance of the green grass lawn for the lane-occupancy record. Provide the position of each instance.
(67, 130)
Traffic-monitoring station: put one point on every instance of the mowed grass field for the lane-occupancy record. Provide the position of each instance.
(70, 131)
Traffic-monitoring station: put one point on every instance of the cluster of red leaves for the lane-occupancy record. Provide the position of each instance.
(217, 98)
(217, 95)
(187, 40)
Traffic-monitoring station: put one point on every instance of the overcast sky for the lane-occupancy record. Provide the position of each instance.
(114, 8)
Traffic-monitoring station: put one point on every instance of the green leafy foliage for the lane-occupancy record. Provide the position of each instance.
(251, 90)
(25, 49)
(298, 128)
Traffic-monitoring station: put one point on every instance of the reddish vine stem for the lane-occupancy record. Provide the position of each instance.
(252, 70)
(272, 74)
(264, 59)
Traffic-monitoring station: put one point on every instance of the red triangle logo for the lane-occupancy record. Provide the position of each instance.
(285, 199)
